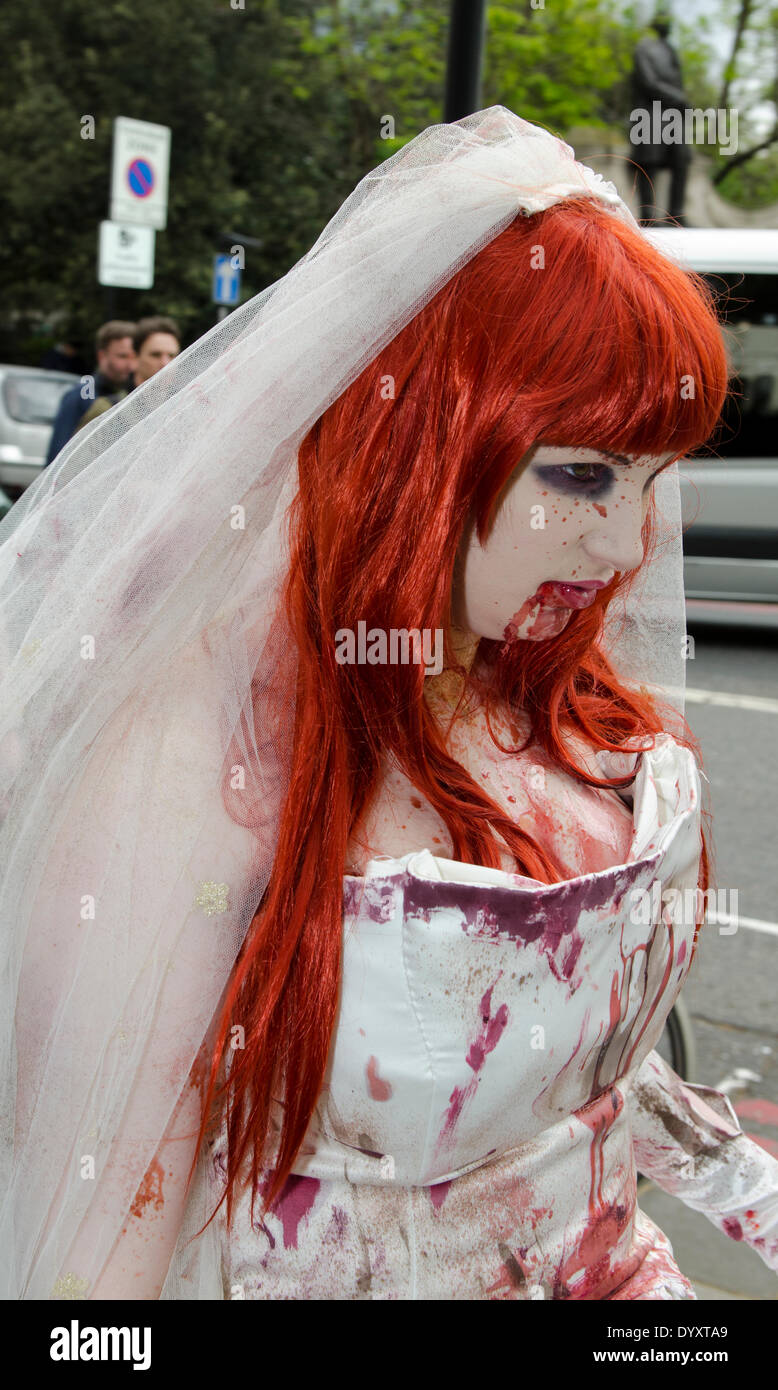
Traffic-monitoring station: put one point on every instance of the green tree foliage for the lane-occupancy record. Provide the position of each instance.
(750, 84)
(277, 109)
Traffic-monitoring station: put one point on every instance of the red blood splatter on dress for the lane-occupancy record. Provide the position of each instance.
(293, 1204)
(485, 1042)
(378, 1089)
(439, 1192)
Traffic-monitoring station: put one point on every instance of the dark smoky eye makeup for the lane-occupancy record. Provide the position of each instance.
(590, 479)
(587, 479)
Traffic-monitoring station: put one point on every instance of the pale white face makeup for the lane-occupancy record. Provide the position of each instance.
(573, 516)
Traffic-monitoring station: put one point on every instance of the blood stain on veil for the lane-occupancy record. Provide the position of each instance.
(150, 1191)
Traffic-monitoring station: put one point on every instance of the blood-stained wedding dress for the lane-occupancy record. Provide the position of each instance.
(492, 1084)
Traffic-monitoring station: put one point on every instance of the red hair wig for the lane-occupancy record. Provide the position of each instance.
(589, 350)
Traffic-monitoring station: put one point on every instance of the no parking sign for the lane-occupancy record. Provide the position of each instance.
(139, 174)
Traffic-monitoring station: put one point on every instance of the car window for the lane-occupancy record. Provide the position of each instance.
(33, 400)
(748, 307)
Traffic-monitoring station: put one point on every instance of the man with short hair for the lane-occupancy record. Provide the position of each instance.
(115, 362)
(156, 342)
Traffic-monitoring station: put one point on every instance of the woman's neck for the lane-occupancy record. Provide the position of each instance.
(443, 692)
(464, 646)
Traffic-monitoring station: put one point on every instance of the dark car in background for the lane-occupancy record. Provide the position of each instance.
(730, 502)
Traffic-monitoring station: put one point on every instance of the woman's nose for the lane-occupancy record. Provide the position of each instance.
(617, 540)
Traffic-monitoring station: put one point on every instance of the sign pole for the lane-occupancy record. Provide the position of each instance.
(466, 41)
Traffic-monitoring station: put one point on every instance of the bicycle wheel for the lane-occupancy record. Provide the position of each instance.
(676, 1047)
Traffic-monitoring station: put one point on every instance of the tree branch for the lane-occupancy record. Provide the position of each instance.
(729, 71)
(745, 155)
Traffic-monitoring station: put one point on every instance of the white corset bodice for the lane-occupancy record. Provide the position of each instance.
(479, 1008)
(488, 1031)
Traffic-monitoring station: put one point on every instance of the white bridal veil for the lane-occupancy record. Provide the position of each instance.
(138, 578)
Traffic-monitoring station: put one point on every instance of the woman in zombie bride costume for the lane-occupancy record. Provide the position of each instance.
(378, 957)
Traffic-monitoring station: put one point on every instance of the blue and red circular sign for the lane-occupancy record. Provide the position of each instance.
(140, 178)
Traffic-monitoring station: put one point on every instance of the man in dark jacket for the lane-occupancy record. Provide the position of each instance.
(156, 342)
(115, 364)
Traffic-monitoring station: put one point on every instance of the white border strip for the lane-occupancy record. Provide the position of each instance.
(723, 919)
(763, 703)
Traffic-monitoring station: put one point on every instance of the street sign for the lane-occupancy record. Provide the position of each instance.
(139, 173)
(226, 281)
(125, 256)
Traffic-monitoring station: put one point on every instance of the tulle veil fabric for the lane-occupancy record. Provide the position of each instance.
(139, 584)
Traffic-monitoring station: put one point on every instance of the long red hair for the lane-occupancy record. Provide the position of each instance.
(591, 350)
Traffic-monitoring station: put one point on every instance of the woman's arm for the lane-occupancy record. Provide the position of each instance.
(688, 1140)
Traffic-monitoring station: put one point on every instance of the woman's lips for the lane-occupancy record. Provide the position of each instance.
(553, 595)
(547, 612)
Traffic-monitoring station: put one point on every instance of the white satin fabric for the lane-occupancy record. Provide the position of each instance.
(474, 1139)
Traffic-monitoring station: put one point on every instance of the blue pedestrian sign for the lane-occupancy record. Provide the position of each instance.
(226, 281)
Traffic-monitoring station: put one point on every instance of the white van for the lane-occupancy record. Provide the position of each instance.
(730, 502)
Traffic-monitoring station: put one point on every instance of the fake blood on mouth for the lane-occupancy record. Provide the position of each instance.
(547, 610)
(535, 620)
(549, 621)
(554, 595)
(511, 632)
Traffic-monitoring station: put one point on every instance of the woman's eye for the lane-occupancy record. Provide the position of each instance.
(592, 479)
(581, 471)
